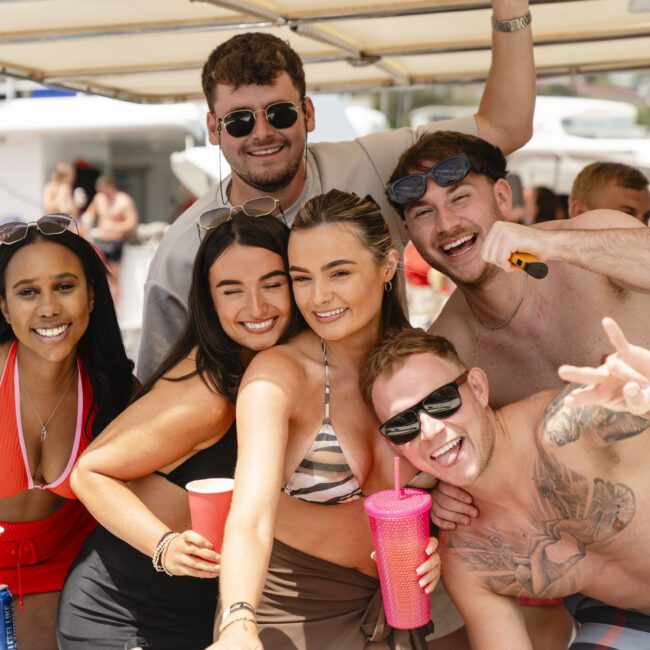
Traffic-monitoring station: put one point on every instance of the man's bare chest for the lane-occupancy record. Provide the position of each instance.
(577, 533)
(525, 360)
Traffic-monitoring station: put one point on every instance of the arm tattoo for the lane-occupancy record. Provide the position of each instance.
(568, 516)
(562, 425)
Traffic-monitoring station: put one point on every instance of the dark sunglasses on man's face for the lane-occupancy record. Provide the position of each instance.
(49, 224)
(442, 403)
(280, 115)
(445, 173)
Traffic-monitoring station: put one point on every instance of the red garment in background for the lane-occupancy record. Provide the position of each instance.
(415, 268)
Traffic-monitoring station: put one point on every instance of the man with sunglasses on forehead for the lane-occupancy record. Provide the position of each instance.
(260, 116)
(451, 191)
(561, 479)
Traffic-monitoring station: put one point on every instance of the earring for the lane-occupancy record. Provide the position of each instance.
(388, 286)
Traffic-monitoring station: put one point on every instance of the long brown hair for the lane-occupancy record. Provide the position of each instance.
(218, 357)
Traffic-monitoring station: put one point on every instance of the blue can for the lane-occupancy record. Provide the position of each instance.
(7, 627)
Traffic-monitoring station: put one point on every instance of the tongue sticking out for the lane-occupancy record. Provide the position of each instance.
(449, 457)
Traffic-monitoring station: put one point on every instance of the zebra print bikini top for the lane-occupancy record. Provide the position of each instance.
(323, 475)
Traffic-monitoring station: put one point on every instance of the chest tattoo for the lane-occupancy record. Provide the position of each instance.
(568, 515)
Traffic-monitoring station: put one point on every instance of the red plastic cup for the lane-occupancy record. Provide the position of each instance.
(209, 505)
(400, 533)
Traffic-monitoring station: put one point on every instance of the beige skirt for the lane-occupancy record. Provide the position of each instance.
(312, 604)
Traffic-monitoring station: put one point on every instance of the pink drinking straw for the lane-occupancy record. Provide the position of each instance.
(398, 492)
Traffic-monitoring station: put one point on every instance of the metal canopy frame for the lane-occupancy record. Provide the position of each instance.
(117, 49)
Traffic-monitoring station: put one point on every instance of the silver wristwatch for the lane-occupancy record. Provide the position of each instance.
(512, 24)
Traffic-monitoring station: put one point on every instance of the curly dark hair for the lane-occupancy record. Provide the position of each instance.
(251, 58)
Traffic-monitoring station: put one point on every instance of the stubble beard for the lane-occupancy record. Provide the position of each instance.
(271, 181)
(484, 277)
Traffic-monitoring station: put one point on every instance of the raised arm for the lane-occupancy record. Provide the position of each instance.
(610, 243)
(505, 113)
(154, 433)
(264, 408)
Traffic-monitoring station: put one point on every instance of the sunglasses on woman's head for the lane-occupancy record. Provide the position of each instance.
(260, 207)
(49, 224)
(441, 403)
(445, 173)
(241, 122)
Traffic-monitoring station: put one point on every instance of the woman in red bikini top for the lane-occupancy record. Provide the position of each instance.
(64, 376)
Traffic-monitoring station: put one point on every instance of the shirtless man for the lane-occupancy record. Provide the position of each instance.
(518, 329)
(115, 216)
(610, 185)
(561, 479)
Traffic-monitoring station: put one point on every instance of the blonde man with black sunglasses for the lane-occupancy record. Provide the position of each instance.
(560, 479)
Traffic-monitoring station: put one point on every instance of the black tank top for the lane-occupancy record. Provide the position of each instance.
(216, 461)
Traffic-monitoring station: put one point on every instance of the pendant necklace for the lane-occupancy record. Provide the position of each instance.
(53, 411)
(512, 315)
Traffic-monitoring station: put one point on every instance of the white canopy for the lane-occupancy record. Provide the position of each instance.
(153, 51)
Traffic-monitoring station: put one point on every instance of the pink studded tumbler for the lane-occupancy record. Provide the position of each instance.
(400, 532)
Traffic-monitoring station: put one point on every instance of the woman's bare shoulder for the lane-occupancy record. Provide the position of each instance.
(183, 383)
(290, 359)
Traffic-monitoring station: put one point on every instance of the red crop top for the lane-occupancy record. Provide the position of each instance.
(15, 474)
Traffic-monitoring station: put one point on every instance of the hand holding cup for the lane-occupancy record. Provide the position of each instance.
(191, 554)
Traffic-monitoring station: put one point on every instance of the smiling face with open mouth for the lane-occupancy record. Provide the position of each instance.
(250, 292)
(337, 284)
(449, 224)
(455, 449)
(47, 302)
(267, 159)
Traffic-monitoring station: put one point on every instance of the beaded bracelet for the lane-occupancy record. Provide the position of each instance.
(161, 547)
(237, 620)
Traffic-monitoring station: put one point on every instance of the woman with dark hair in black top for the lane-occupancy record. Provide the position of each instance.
(180, 428)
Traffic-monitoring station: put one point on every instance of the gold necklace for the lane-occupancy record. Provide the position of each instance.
(53, 411)
(512, 315)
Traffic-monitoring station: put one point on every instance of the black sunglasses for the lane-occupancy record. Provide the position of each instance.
(280, 115)
(49, 224)
(441, 403)
(260, 207)
(445, 173)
